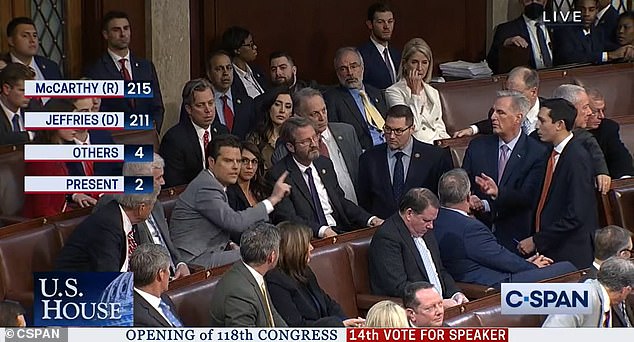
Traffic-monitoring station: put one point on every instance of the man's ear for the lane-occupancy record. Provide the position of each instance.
(104, 34)
(368, 23)
(10, 41)
(188, 109)
(290, 147)
(211, 162)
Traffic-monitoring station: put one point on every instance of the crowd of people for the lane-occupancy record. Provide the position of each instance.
(318, 161)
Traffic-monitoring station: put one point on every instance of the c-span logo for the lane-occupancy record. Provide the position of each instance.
(546, 298)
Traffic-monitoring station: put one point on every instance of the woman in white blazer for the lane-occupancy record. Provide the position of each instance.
(412, 90)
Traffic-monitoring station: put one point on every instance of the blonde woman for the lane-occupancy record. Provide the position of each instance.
(412, 89)
(386, 314)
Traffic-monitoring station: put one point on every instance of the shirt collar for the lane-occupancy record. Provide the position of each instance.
(15, 59)
(379, 46)
(531, 116)
(560, 147)
(326, 135)
(224, 188)
(301, 166)
(601, 13)
(258, 277)
(199, 130)
(243, 73)
(9, 113)
(457, 210)
(511, 144)
(127, 225)
(531, 22)
(218, 95)
(407, 149)
(79, 142)
(116, 58)
(150, 298)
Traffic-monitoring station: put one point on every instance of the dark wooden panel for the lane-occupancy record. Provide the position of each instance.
(10, 9)
(312, 30)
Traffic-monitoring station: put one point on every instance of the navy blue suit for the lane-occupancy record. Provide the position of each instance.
(375, 71)
(97, 137)
(573, 46)
(259, 77)
(50, 70)
(569, 217)
(608, 24)
(513, 211)
(142, 70)
(471, 254)
(616, 154)
(426, 165)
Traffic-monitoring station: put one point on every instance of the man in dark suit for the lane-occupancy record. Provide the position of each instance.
(607, 20)
(23, 45)
(241, 298)
(566, 216)
(508, 168)
(606, 131)
(104, 241)
(389, 170)
(184, 145)
(469, 250)
(150, 264)
(284, 73)
(353, 102)
(13, 103)
(423, 305)
(527, 32)
(317, 200)
(403, 250)
(234, 107)
(118, 63)
(380, 60)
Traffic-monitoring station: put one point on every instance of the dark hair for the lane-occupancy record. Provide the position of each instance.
(108, 17)
(626, 15)
(409, 293)
(378, 7)
(233, 38)
(198, 84)
(258, 242)
(223, 140)
(561, 109)
(15, 72)
(418, 199)
(53, 105)
(9, 312)
(278, 54)
(260, 187)
(13, 24)
(294, 241)
(260, 136)
(576, 2)
(610, 240)
(401, 111)
(214, 54)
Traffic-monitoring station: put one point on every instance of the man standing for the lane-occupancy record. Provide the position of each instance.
(423, 304)
(118, 63)
(381, 60)
(241, 298)
(353, 102)
(389, 170)
(508, 168)
(566, 216)
(202, 220)
(403, 251)
(12, 103)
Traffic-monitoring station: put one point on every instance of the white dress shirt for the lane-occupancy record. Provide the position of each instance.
(560, 148)
(428, 262)
(116, 58)
(534, 41)
(322, 193)
(200, 132)
(154, 301)
(381, 48)
(341, 169)
(127, 228)
(254, 89)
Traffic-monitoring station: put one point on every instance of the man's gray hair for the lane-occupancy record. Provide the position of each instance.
(610, 240)
(291, 125)
(529, 76)
(454, 187)
(132, 201)
(143, 168)
(595, 94)
(341, 51)
(146, 260)
(569, 92)
(301, 96)
(616, 273)
(258, 242)
(519, 102)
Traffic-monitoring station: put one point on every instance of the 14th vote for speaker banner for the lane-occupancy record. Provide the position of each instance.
(88, 88)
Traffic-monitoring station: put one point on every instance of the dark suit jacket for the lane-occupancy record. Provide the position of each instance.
(7, 136)
(145, 315)
(181, 150)
(471, 253)
(97, 137)
(236, 198)
(375, 71)
(142, 70)
(298, 206)
(569, 217)
(98, 244)
(301, 304)
(259, 77)
(513, 211)
(394, 261)
(237, 301)
(426, 165)
(342, 108)
(573, 46)
(608, 24)
(50, 70)
(617, 156)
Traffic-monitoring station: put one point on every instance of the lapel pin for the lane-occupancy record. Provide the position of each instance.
(416, 155)
(376, 100)
(238, 100)
(339, 137)
(323, 171)
(136, 65)
(43, 66)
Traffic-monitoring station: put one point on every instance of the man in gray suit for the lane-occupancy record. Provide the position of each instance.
(616, 280)
(241, 298)
(154, 229)
(338, 141)
(202, 219)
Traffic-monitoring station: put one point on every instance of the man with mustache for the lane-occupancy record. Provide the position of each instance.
(284, 73)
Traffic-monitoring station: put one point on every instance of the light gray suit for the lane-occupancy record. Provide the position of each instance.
(237, 301)
(202, 222)
(592, 320)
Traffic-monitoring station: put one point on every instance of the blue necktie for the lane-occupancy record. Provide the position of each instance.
(319, 211)
(398, 178)
(170, 315)
(16, 123)
(543, 46)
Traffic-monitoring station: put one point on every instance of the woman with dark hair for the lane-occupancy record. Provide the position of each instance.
(293, 287)
(625, 29)
(277, 107)
(251, 187)
(239, 43)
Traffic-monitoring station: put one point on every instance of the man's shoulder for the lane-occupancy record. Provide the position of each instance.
(366, 48)
(181, 128)
(341, 128)
(609, 126)
(278, 168)
(336, 93)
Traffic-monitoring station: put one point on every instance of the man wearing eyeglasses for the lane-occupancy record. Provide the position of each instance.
(389, 170)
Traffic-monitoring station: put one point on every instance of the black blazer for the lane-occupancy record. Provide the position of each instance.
(394, 261)
(98, 244)
(608, 24)
(573, 46)
(342, 108)
(302, 305)
(145, 315)
(142, 70)
(569, 217)
(375, 71)
(616, 154)
(298, 206)
(7, 136)
(259, 77)
(50, 70)
(181, 150)
(236, 198)
(426, 165)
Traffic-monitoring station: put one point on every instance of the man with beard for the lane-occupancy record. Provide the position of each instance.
(381, 60)
(284, 73)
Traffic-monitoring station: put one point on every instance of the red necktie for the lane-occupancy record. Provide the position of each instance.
(131, 244)
(227, 112)
(205, 143)
(126, 76)
(89, 169)
(548, 177)
(323, 149)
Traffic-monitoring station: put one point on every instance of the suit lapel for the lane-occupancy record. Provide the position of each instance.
(492, 158)
(415, 171)
(193, 139)
(111, 67)
(409, 243)
(352, 107)
(298, 179)
(384, 173)
(514, 159)
(4, 121)
(324, 172)
(151, 311)
(242, 269)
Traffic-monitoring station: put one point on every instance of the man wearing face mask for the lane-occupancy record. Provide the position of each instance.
(526, 32)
